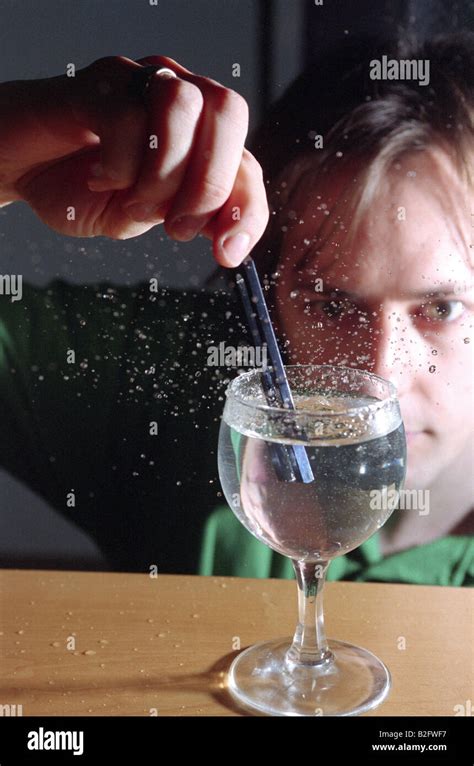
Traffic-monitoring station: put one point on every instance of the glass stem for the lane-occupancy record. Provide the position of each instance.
(309, 645)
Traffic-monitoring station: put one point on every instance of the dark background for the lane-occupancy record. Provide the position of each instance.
(272, 40)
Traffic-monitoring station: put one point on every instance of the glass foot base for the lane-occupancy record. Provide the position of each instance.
(353, 682)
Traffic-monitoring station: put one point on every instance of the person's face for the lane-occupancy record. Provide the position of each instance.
(399, 303)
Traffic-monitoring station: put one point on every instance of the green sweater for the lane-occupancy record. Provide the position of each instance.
(110, 412)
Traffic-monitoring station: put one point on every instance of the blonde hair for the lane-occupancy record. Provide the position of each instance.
(308, 172)
(367, 125)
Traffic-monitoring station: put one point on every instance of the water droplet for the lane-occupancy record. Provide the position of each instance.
(432, 368)
(467, 340)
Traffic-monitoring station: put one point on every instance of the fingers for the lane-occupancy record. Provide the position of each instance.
(100, 100)
(175, 107)
(121, 141)
(201, 128)
(214, 162)
(178, 157)
(243, 218)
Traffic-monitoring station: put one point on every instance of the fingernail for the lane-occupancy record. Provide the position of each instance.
(99, 181)
(186, 227)
(141, 211)
(96, 184)
(96, 181)
(103, 183)
(236, 247)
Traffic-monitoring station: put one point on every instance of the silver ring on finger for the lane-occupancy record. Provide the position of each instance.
(141, 79)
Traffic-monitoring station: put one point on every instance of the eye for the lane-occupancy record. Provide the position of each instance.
(441, 311)
(333, 308)
(330, 308)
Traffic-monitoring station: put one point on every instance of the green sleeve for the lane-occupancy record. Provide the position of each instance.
(227, 548)
(77, 427)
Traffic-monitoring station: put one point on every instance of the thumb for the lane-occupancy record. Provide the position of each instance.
(59, 195)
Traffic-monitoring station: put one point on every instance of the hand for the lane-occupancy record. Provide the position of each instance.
(78, 151)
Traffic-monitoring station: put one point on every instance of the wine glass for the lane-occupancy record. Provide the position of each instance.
(348, 422)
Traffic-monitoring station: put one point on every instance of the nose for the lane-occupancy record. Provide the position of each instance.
(394, 348)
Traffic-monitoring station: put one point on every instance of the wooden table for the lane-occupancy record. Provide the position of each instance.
(94, 643)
